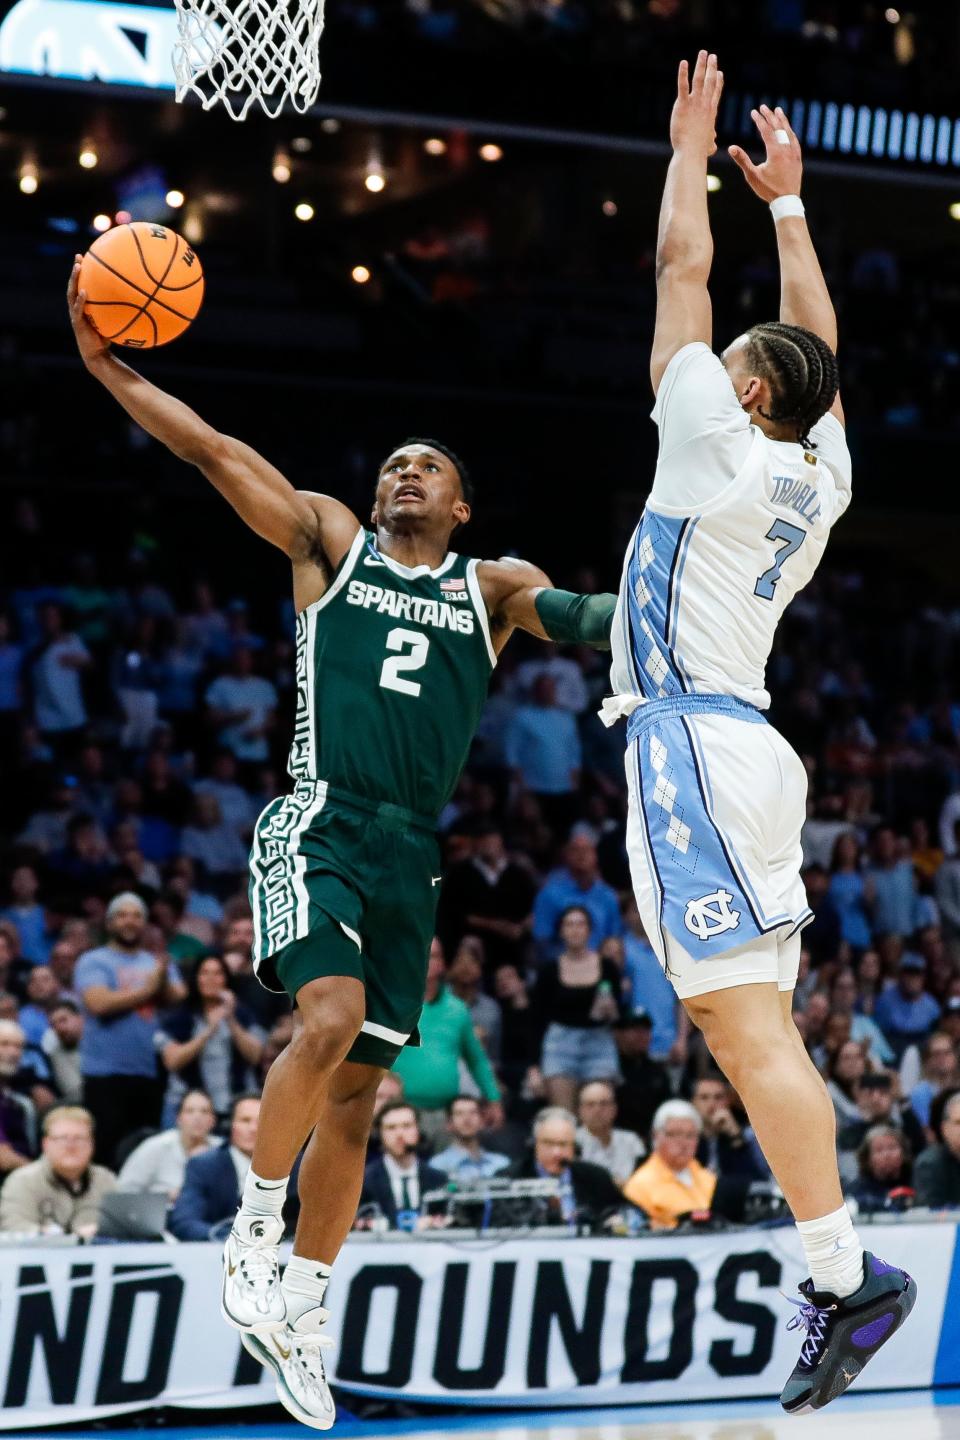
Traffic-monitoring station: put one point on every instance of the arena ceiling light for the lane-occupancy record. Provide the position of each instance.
(714, 183)
(281, 170)
(490, 152)
(88, 157)
(435, 145)
(954, 210)
(174, 199)
(360, 274)
(610, 208)
(101, 223)
(375, 181)
(304, 211)
(29, 178)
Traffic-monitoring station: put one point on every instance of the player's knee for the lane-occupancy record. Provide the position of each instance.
(327, 1034)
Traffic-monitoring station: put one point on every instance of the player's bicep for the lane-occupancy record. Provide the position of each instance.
(261, 495)
(510, 588)
(684, 315)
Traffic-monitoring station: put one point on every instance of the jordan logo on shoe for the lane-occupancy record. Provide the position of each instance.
(838, 1246)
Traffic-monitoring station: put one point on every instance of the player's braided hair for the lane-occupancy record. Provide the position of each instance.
(466, 484)
(802, 373)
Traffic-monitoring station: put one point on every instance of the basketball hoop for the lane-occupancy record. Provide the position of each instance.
(241, 52)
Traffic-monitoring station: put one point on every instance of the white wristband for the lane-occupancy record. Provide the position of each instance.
(786, 205)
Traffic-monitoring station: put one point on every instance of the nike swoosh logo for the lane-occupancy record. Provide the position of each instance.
(231, 1269)
(369, 560)
(435, 879)
(284, 1354)
(277, 1186)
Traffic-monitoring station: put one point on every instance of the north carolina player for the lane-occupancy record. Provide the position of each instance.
(753, 472)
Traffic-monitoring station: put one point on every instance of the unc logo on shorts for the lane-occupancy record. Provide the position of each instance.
(711, 915)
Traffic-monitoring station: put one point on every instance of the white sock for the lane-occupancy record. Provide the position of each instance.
(263, 1197)
(834, 1253)
(304, 1285)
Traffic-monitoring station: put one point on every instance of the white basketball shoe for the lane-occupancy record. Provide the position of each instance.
(251, 1298)
(293, 1354)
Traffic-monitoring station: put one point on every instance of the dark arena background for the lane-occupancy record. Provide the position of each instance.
(458, 241)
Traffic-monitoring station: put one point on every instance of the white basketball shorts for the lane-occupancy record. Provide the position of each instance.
(717, 799)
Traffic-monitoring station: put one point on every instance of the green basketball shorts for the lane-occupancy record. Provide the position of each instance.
(341, 885)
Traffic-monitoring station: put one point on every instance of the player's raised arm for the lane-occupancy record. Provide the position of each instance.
(804, 297)
(684, 242)
(519, 596)
(299, 523)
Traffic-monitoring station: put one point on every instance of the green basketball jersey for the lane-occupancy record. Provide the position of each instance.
(393, 665)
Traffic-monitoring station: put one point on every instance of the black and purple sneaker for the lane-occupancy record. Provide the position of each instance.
(842, 1335)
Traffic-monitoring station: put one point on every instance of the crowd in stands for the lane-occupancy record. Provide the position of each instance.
(143, 732)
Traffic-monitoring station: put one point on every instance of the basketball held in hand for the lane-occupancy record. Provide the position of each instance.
(143, 283)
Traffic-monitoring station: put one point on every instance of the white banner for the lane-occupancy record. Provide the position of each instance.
(91, 1332)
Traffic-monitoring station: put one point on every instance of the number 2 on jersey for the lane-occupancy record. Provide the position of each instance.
(793, 537)
(412, 658)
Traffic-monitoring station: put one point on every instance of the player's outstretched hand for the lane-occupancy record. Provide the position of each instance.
(782, 170)
(90, 342)
(693, 123)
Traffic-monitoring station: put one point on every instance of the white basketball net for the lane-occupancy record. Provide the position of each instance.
(240, 52)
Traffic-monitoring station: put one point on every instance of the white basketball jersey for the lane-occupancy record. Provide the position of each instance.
(734, 527)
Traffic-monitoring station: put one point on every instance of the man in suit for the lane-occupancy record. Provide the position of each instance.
(213, 1183)
(587, 1190)
(397, 1180)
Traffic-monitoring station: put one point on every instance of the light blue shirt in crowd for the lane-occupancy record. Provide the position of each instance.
(560, 891)
(648, 988)
(118, 1044)
(895, 899)
(459, 1164)
(543, 743)
(31, 923)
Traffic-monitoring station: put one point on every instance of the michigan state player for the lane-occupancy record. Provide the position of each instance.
(753, 471)
(396, 639)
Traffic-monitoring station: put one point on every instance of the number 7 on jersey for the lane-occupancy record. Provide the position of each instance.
(792, 537)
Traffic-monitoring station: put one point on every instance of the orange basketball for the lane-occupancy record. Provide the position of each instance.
(144, 284)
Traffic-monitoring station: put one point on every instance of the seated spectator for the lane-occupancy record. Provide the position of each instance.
(237, 951)
(519, 1047)
(63, 963)
(883, 1165)
(645, 987)
(850, 893)
(894, 885)
(61, 1047)
(543, 750)
(672, 1182)
(845, 1069)
(465, 978)
(214, 845)
(822, 937)
(941, 1071)
(936, 1172)
(489, 895)
(598, 1140)
(23, 1068)
(213, 1182)
(843, 1000)
(587, 1191)
(18, 1115)
(726, 1146)
(42, 994)
(575, 1002)
(167, 913)
(395, 1183)
(465, 1158)
(210, 1042)
(158, 1164)
(578, 882)
(431, 1071)
(242, 708)
(646, 1082)
(121, 986)
(27, 914)
(61, 1192)
(84, 864)
(905, 1012)
(236, 807)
